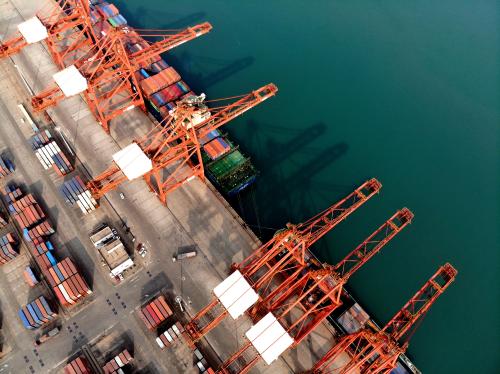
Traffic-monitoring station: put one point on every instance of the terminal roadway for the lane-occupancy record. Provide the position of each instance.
(195, 215)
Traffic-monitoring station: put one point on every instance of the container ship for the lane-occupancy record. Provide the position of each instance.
(162, 87)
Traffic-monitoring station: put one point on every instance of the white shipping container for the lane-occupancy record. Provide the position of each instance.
(160, 343)
(65, 294)
(118, 361)
(42, 161)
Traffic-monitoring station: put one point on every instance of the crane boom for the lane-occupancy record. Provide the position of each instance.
(175, 143)
(403, 324)
(319, 225)
(169, 42)
(372, 352)
(354, 260)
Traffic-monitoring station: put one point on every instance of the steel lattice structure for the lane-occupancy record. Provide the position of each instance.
(378, 351)
(300, 304)
(284, 256)
(174, 147)
(69, 32)
(112, 86)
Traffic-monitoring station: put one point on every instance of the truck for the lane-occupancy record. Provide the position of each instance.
(185, 252)
(47, 336)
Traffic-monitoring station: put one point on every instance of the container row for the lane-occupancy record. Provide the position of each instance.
(155, 312)
(6, 166)
(30, 277)
(78, 366)
(50, 154)
(8, 246)
(75, 192)
(170, 335)
(119, 361)
(36, 313)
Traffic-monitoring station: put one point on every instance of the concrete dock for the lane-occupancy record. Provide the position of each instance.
(195, 215)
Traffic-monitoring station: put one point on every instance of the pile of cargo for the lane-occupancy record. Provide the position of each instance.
(67, 283)
(49, 153)
(8, 243)
(30, 277)
(170, 336)
(63, 277)
(216, 148)
(202, 363)
(28, 214)
(43, 250)
(155, 312)
(6, 166)
(117, 363)
(3, 220)
(36, 314)
(78, 366)
(75, 192)
(104, 16)
(159, 81)
(353, 319)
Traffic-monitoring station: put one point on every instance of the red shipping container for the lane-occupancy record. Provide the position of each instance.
(161, 308)
(81, 291)
(62, 270)
(144, 319)
(153, 315)
(158, 313)
(163, 302)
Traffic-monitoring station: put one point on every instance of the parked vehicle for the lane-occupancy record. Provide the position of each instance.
(141, 249)
(185, 252)
(47, 336)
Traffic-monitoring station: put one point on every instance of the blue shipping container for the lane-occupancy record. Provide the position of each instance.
(46, 305)
(38, 312)
(51, 258)
(25, 320)
(33, 315)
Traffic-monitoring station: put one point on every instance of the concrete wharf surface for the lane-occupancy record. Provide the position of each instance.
(195, 215)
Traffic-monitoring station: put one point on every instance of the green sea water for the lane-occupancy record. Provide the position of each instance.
(404, 91)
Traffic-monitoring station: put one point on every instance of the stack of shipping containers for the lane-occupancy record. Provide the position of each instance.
(30, 277)
(155, 312)
(28, 214)
(75, 192)
(36, 314)
(3, 220)
(49, 153)
(169, 336)
(8, 245)
(67, 283)
(6, 166)
(118, 362)
(78, 366)
(63, 277)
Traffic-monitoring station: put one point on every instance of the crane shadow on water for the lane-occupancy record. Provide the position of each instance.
(187, 65)
(153, 17)
(287, 188)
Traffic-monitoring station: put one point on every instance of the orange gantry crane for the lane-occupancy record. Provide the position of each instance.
(301, 303)
(170, 154)
(283, 257)
(107, 77)
(378, 351)
(64, 25)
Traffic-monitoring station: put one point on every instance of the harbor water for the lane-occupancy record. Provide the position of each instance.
(407, 92)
